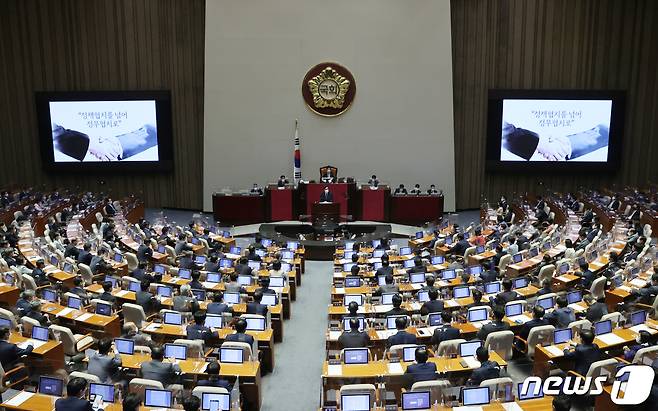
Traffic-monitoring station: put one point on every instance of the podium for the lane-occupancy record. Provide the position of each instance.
(342, 193)
(325, 213)
(374, 203)
(279, 203)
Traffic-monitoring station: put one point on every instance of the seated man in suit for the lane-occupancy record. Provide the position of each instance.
(240, 334)
(84, 257)
(507, 294)
(562, 316)
(256, 190)
(217, 306)
(461, 245)
(373, 182)
(445, 331)
(421, 370)
(389, 287)
(434, 305)
(187, 260)
(23, 303)
(385, 269)
(352, 310)
(144, 252)
(198, 331)
(416, 191)
(496, 325)
(584, 354)
(10, 354)
(537, 321)
(418, 266)
(488, 369)
(432, 190)
(648, 294)
(98, 264)
(400, 191)
(213, 379)
(401, 337)
(72, 249)
(490, 274)
(195, 284)
(146, 299)
(546, 287)
(39, 275)
(165, 372)
(256, 307)
(328, 176)
(326, 196)
(282, 181)
(396, 310)
(102, 364)
(596, 309)
(75, 400)
(107, 293)
(35, 313)
(429, 283)
(265, 286)
(354, 338)
(477, 299)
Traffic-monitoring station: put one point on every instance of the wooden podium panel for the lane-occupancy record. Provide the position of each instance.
(280, 203)
(416, 209)
(238, 209)
(374, 203)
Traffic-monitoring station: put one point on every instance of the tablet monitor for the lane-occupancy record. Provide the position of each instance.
(74, 302)
(562, 336)
(530, 394)
(177, 351)
(434, 319)
(185, 273)
(355, 402)
(231, 355)
(51, 386)
(157, 398)
(417, 278)
(475, 396)
(461, 292)
(416, 400)
(255, 324)
(40, 333)
(574, 297)
(348, 298)
(173, 318)
(478, 314)
(163, 291)
(105, 391)
(602, 327)
(546, 302)
(492, 288)
(214, 321)
(104, 309)
(215, 401)
(513, 309)
(355, 355)
(638, 317)
(124, 346)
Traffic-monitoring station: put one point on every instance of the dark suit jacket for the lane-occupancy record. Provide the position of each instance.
(432, 306)
(84, 257)
(487, 370)
(384, 271)
(217, 308)
(506, 296)
(525, 329)
(588, 278)
(445, 333)
(215, 383)
(350, 339)
(493, 326)
(237, 337)
(144, 253)
(489, 276)
(10, 354)
(199, 332)
(72, 404)
(146, 300)
(402, 337)
(327, 196)
(596, 311)
(256, 308)
(396, 311)
(460, 247)
(583, 356)
(71, 251)
(421, 372)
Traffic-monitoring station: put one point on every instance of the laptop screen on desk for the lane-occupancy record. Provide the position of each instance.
(225, 263)
(348, 298)
(449, 275)
(492, 288)
(214, 277)
(231, 355)
(562, 336)
(416, 400)
(475, 396)
(574, 297)
(419, 235)
(287, 255)
(157, 398)
(517, 258)
(513, 309)
(390, 321)
(437, 259)
(520, 282)
(49, 295)
(215, 401)
(163, 291)
(468, 349)
(103, 309)
(51, 386)
(409, 263)
(602, 327)
(349, 282)
(378, 253)
(479, 314)
(39, 333)
(124, 346)
(423, 296)
(213, 321)
(434, 319)
(346, 323)
(232, 298)
(176, 351)
(254, 265)
(417, 278)
(255, 324)
(533, 252)
(474, 270)
(200, 295)
(200, 259)
(461, 292)
(279, 282)
(480, 249)
(68, 267)
(173, 318)
(530, 394)
(162, 249)
(105, 391)
(235, 250)
(405, 250)
(244, 279)
(355, 402)
(293, 245)
(266, 242)
(409, 353)
(355, 355)
(74, 303)
(184, 273)
(114, 281)
(348, 266)
(547, 245)
(387, 298)
(564, 268)
(118, 257)
(54, 261)
(269, 299)
(638, 317)
(134, 286)
(547, 302)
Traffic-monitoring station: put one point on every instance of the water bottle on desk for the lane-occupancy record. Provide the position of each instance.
(235, 395)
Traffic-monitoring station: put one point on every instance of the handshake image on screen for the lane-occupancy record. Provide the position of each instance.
(84, 147)
(525, 143)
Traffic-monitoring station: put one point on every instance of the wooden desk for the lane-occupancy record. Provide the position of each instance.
(46, 358)
(98, 324)
(8, 295)
(168, 333)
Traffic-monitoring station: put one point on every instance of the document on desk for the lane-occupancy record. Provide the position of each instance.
(208, 284)
(577, 307)
(471, 362)
(625, 288)
(122, 293)
(564, 279)
(451, 303)
(232, 256)
(556, 351)
(384, 334)
(334, 370)
(84, 317)
(415, 306)
(520, 319)
(333, 335)
(19, 398)
(416, 286)
(512, 406)
(382, 308)
(643, 327)
(64, 312)
(153, 327)
(639, 283)
(480, 324)
(33, 343)
(395, 368)
(610, 338)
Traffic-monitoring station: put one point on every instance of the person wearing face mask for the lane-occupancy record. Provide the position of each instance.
(326, 196)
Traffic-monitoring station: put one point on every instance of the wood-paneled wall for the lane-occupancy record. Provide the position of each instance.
(103, 45)
(553, 44)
